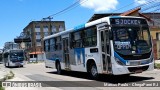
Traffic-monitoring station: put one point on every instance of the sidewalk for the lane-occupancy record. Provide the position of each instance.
(2, 74)
(157, 61)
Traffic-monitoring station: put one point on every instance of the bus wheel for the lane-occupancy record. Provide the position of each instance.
(5, 65)
(58, 66)
(93, 71)
(8, 64)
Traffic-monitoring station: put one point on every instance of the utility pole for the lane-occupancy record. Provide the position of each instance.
(49, 18)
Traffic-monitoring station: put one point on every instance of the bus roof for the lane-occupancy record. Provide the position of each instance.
(79, 27)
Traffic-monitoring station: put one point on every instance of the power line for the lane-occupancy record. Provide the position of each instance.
(83, 1)
(123, 7)
(142, 5)
(66, 8)
(152, 6)
(74, 5)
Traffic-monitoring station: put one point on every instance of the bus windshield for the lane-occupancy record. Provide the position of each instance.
(131, 40)
(17, 55)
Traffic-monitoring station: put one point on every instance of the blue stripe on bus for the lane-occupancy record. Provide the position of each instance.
(53, 59)
(79, 27)
(120, 58)
(115, 16)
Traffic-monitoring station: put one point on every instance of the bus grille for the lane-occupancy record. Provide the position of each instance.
(132, 57)
(135, 69)
(142, 62)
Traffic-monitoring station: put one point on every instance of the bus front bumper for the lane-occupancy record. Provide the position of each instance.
(16, 64)
(120, 70)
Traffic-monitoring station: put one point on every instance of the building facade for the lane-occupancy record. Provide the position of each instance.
(11, 45)
(37, 30)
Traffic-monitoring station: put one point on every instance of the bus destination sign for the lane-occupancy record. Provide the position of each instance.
(127, 21)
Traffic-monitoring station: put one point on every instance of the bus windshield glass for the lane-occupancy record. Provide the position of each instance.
(131, 40)
(17, 55)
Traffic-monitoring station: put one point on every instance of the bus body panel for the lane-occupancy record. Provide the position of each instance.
(78, 57)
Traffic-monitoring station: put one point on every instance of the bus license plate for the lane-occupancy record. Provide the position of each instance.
(138, 71)
(18, 63)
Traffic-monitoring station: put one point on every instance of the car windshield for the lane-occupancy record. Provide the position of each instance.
(131, 40)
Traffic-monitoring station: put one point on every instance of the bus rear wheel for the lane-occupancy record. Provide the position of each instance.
(93, 71)
(58, 66)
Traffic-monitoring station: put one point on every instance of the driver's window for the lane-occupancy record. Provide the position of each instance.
(122, 34)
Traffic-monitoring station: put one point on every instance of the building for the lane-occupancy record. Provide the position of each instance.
(153, 20)
(37, 30)
(11, 45)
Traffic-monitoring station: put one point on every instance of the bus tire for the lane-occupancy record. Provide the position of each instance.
(5, 65)
(58, 67)
(8, 64)
(93, 71)
(126, 75)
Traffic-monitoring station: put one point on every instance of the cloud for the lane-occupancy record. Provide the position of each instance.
(1, 47)
(140, 1)
(100, 5)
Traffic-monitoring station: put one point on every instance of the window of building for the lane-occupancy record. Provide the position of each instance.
(38, 42)
(61, 28)
(38, 36)
(45, 29)
(46, 33)
(45, 26)
(54, 30)
(37, 30)
(38, 33)
(31, 55)
(37, 26)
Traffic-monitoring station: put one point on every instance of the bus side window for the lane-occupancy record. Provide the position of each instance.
(71, 40)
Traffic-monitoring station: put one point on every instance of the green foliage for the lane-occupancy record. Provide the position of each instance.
(157, 65)
(10, 75)
(1, 88)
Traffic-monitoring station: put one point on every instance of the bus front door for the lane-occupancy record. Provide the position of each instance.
(105, 49)
(66, 53)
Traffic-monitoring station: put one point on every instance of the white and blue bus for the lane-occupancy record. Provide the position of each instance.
(14, 57)
(117, 45)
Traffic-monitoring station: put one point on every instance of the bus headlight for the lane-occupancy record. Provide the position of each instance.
(119, 62)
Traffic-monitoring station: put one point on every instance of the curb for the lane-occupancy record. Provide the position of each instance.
(2, 75)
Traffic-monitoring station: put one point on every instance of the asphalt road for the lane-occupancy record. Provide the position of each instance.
(38, 72)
